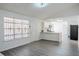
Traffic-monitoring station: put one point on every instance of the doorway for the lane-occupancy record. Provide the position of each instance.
(74, 32)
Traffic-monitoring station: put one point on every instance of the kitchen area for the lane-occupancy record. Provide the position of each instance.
(54, 31)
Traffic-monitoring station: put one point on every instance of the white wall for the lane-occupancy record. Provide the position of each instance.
(34, 35)
(73, 20)
(60, 27)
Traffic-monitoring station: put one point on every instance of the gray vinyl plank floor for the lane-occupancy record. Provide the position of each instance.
(45, 48)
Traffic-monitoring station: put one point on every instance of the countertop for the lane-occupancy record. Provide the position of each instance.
(50, 32)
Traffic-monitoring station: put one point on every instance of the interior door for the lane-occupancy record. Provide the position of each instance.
(74, 32)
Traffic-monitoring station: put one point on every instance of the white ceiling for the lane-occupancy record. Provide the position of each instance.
(53, 10)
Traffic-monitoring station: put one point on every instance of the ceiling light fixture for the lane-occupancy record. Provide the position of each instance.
(40, 5)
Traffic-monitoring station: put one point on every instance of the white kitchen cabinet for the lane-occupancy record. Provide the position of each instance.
(50, 36)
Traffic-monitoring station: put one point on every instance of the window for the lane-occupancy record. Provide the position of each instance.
(15, 28)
